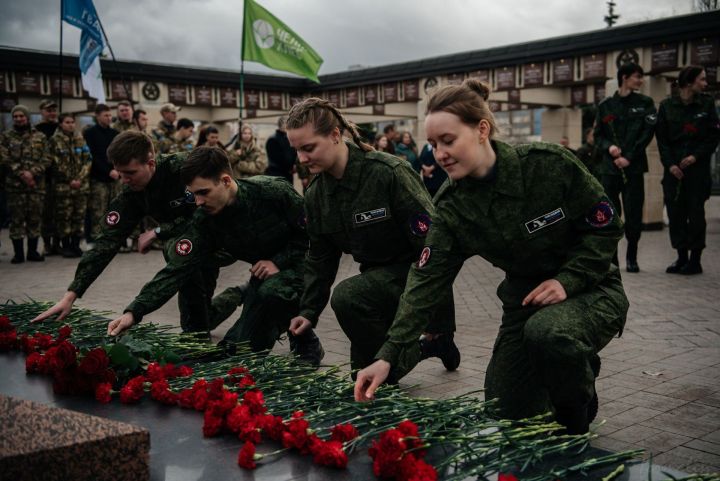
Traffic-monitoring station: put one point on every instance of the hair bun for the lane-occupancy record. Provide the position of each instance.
(482, 89)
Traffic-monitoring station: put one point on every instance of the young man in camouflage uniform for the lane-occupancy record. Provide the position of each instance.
(124, 120)
(48, 126)
(182, 138)
(165, 129)
(23, 153)
(258, 220)
(71, 171)
(624, 126)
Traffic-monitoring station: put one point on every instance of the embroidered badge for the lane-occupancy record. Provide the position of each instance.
(651, 119)
(187, 198)
(183, 247)
(112, 218)
(424, 257)
(370, 215)
(600, 215)
(420, 224)
(544, 220)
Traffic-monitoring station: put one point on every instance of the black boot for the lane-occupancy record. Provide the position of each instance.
(32, 253)
(442, 346)
(307, 348)
(693, 266)
(67, 247)
(47, 247)
(76, 246)
(55, 242)
(631, 264)
(19, 249)
(682, 259)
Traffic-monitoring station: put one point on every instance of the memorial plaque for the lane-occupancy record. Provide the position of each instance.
(455, 78)
(505, 78)
(177, 94)
(228, 97)
(352, 97)
(28, 83)
(3, 82)
(664, 57)
(578, 95)
(704, 51)
(295, 99)
(481, 75)
(7, 102)
(562, 70)
(594, 66)
(252, 99)
(371, 95)
(203, 96)
(378, 109)
(533, 75)
(117, 90)
(274, 100)
(67, 86)
(514, 96)
(412, 90)
(334, 97)
(599, 92)
(494, 106)
(250, 113)
(711, 74)
(390, 92)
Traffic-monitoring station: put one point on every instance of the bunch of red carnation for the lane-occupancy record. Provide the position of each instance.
(8, 334)
(156, 376)
(398, 454)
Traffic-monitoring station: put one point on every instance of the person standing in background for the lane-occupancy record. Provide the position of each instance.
(48, 125)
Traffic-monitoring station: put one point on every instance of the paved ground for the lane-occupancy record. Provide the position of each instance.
(659, 386)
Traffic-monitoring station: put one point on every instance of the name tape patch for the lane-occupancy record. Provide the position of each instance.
(545, 220)
(370, 215)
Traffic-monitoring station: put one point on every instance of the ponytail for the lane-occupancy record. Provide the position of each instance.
(324, 117)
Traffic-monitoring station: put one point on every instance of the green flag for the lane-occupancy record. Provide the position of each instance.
(270, 42)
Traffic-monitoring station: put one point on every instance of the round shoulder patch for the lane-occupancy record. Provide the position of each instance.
(424, 257)
(112, 218)
(601, 214)
(420, 224)
(183, 247)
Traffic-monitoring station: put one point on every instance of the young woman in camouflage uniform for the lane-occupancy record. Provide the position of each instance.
(245, 156)
(373, 206)
(536, 213)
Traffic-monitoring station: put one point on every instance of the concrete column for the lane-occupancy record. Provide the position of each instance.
(657, 88)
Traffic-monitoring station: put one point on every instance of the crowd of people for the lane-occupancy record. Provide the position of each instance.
(533, 210)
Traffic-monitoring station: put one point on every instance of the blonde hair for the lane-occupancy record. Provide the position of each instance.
(468, 101)
(324, 117)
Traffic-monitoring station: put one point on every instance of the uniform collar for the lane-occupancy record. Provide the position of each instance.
(353, 171)
(508, 173)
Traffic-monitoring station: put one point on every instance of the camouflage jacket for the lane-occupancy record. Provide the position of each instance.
(20, 152)
(629, 123)
(122, 126)
(165, 199)
(379, 212)
(687, 129)
(176, 145)
(265, 222)
(539, 216)
(246, 161)
(163, 137)
(71, 160)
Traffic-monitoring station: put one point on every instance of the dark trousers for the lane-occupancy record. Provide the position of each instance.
(543, 356)
(633, 199)
(365, 306)
(685, 203)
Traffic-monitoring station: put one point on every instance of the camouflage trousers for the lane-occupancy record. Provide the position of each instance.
(365, 307)
(48, 220)
(70, 209)
(26, 209)
(101, 193)
(545, 356)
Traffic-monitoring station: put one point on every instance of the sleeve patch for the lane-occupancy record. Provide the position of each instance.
(600, 215)
(420, 224)
(183, 247)
(112, 218)
(651, 119)
(424, 257)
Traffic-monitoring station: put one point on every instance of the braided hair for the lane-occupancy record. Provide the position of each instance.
(324, 117)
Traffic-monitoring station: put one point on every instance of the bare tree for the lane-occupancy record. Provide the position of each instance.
(705, 5)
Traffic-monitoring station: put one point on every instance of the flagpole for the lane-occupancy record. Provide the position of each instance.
(60, 86)
(112, 54)
(242, 72)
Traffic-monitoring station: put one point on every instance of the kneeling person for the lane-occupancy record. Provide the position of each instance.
(259, 221)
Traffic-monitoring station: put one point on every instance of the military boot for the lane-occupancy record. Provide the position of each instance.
(19, 249)
(76, 246)
(693, 266)
(677, 266)
(631, 264)
(47, 247)
(67, 247)
(442, 346)
(307, 348)
(32, 254)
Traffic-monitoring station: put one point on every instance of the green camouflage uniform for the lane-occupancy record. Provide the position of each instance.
(180, 145)
(682, 130)
(71, 161)
(164, 199)
(380, 213)
(246, 161)
(539, 215)
(265, 222)
(49, 228)
(122, 126)
(629, 123)
(163, 137)
(22, 151)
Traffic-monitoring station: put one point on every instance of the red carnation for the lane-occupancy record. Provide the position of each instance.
(416, 469)
(133, 391)
(62, 355)
(236, 374)
(34, 363)
(246, 457)
(329, 453)
(102, 392)
(27, 344)
(507, 477)
(254, 400)
(689, 128)
(8, 340)
(272, 426)
(155, 372)
(343, 433)
(95, 362)
(185, 398)
(160, 391)
(296, 433)
(212, 424)
(64, 332)
(5, 324)
(183, 371)
(43, 341)
(608, 119)
(247, 381)
(239, 417)
(216, 388)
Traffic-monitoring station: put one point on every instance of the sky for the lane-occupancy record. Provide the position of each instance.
(206, 33)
